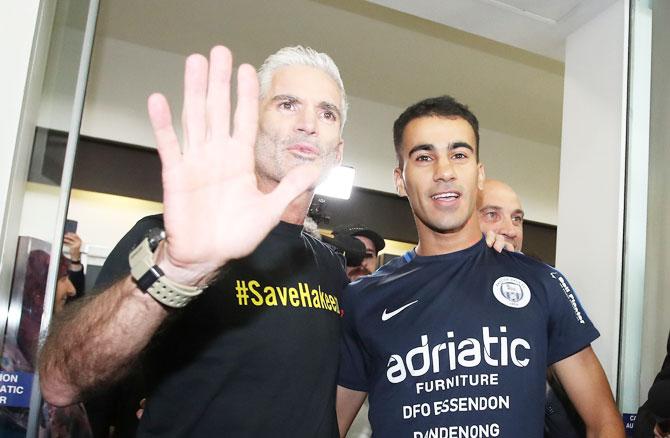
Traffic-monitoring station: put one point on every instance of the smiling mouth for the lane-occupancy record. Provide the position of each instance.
(446, 196)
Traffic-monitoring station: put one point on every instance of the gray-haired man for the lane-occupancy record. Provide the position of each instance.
(256, 353)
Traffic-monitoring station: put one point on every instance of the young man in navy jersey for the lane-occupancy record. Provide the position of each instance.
(453, 339)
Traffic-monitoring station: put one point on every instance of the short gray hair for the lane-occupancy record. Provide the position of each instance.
(299, 55)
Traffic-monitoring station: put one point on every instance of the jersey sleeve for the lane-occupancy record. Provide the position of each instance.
(353, 373)
(116, 265)
(570, 329)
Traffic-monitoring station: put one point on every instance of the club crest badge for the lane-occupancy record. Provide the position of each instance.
(511, 292)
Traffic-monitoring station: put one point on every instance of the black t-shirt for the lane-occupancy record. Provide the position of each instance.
(256, 354)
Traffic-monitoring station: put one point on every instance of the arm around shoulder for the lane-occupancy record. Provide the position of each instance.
(585, 382)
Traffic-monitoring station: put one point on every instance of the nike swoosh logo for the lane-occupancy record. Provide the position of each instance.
(389, 315)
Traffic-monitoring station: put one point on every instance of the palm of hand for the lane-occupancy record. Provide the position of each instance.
(213, 210)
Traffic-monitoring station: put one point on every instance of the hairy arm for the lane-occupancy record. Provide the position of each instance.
(349, 402)
(585, 382)
(93, 341)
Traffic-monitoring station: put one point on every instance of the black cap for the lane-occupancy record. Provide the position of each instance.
(361, 230)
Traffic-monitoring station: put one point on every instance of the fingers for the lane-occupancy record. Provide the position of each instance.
(161, 122)
(498, 242)
(194, 121)
(218, 94)
(490, 238)
(140, 411)
(295, 183)
(246, 112)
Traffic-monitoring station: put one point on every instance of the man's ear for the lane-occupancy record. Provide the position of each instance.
(481, 176)
(399, 182)
(340, 152)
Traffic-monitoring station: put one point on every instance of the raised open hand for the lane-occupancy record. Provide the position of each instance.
(213, 210)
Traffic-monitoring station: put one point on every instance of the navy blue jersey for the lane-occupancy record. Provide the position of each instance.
(457, 345)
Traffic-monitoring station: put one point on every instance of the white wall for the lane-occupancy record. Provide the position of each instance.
(17, 30)
(124, 74)
(531, 168)
(590, 216)
(103, 219)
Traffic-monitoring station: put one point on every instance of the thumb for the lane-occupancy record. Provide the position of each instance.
(296, 182)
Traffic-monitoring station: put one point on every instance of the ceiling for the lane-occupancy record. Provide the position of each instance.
(539, 26)
(390, 51)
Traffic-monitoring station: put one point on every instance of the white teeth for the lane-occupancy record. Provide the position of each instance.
(448, 195)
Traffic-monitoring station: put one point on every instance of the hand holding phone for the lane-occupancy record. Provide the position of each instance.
(70, 226)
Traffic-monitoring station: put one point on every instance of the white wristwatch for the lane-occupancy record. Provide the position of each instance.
(151, 279)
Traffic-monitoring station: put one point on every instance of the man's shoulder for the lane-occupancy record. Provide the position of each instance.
(383, 275)
(325, 249)
(530, 265)
(116, 263)
(151, 221)
(137, 233)
(537, 275)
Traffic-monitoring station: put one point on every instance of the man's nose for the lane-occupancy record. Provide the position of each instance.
(307, 122)
(443, 169)
(508, 229)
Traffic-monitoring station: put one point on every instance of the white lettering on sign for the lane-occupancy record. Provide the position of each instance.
(12, 378)
(11, 389)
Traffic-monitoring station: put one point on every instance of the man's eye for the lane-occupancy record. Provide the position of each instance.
(490, 215)
(329, 115)
(459, 155)
(422, 158)
(517, 219)
(287, 105)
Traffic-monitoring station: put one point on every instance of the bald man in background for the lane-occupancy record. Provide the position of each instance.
(500, 211)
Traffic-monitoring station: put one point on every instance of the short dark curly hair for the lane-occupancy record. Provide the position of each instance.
(442, 106)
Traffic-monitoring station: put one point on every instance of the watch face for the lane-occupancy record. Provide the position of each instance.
(155, 235)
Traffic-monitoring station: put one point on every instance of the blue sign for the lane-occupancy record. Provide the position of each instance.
(15, 389)
(629, 423)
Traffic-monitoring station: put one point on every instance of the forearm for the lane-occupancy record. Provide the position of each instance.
(585, 382)
(93, 342)
(349, 402)
(612, 429)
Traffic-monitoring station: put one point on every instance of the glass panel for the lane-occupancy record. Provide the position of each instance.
(637, 164)
(656, 310)
(39, 271)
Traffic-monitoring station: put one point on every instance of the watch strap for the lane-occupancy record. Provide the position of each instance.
(152, 280)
